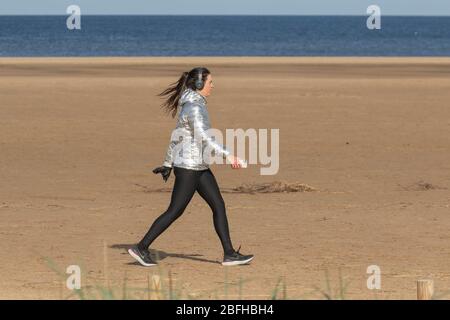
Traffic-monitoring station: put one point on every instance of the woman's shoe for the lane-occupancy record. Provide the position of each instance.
(142, 256)
(236, 258)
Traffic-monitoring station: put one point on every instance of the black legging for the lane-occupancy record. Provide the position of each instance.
(186, 183)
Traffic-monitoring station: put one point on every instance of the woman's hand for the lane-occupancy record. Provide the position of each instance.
(165, 172)
(236, 163)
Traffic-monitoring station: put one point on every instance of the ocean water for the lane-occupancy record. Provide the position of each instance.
(224, 36)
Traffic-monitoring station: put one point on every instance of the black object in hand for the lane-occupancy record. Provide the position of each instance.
(165, 172)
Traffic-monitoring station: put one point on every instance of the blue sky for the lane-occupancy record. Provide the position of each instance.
(296, 7)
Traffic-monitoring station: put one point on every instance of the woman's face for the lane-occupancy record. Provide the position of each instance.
(206, 91)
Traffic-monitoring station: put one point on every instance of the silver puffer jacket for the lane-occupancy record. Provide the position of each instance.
(193, 117)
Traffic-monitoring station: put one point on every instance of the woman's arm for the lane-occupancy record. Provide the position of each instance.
(169, 154)
(198, 122)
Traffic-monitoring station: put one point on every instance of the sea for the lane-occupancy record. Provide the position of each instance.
(240, 35)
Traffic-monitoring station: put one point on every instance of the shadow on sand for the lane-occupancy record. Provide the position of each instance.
(161, 255)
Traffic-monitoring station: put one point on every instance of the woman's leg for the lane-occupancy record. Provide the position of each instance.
(184, 188)
(209, 190)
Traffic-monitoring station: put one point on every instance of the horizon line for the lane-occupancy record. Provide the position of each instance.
(224, 15)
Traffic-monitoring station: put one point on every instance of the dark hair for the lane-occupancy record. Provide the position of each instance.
(174, 91)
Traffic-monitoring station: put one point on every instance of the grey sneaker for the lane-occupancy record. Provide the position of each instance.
(142, 256)
(236, 258)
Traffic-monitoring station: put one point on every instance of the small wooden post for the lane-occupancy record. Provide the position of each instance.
(148, 287)
(425, 289)
(61, 290)
(105, 264)
(156, 288)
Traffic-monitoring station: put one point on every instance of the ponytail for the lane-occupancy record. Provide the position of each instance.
(174, 92)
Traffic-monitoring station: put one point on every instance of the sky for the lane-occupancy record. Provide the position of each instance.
(252, 7)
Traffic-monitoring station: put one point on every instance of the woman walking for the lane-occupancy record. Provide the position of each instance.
(192, 172)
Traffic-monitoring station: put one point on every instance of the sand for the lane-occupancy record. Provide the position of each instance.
(80, 136)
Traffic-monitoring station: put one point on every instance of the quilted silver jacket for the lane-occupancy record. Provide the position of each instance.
(190, 138)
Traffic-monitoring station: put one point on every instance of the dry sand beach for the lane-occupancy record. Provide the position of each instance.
(80, 136)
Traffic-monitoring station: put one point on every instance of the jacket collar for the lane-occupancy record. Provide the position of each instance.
(190, 95)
